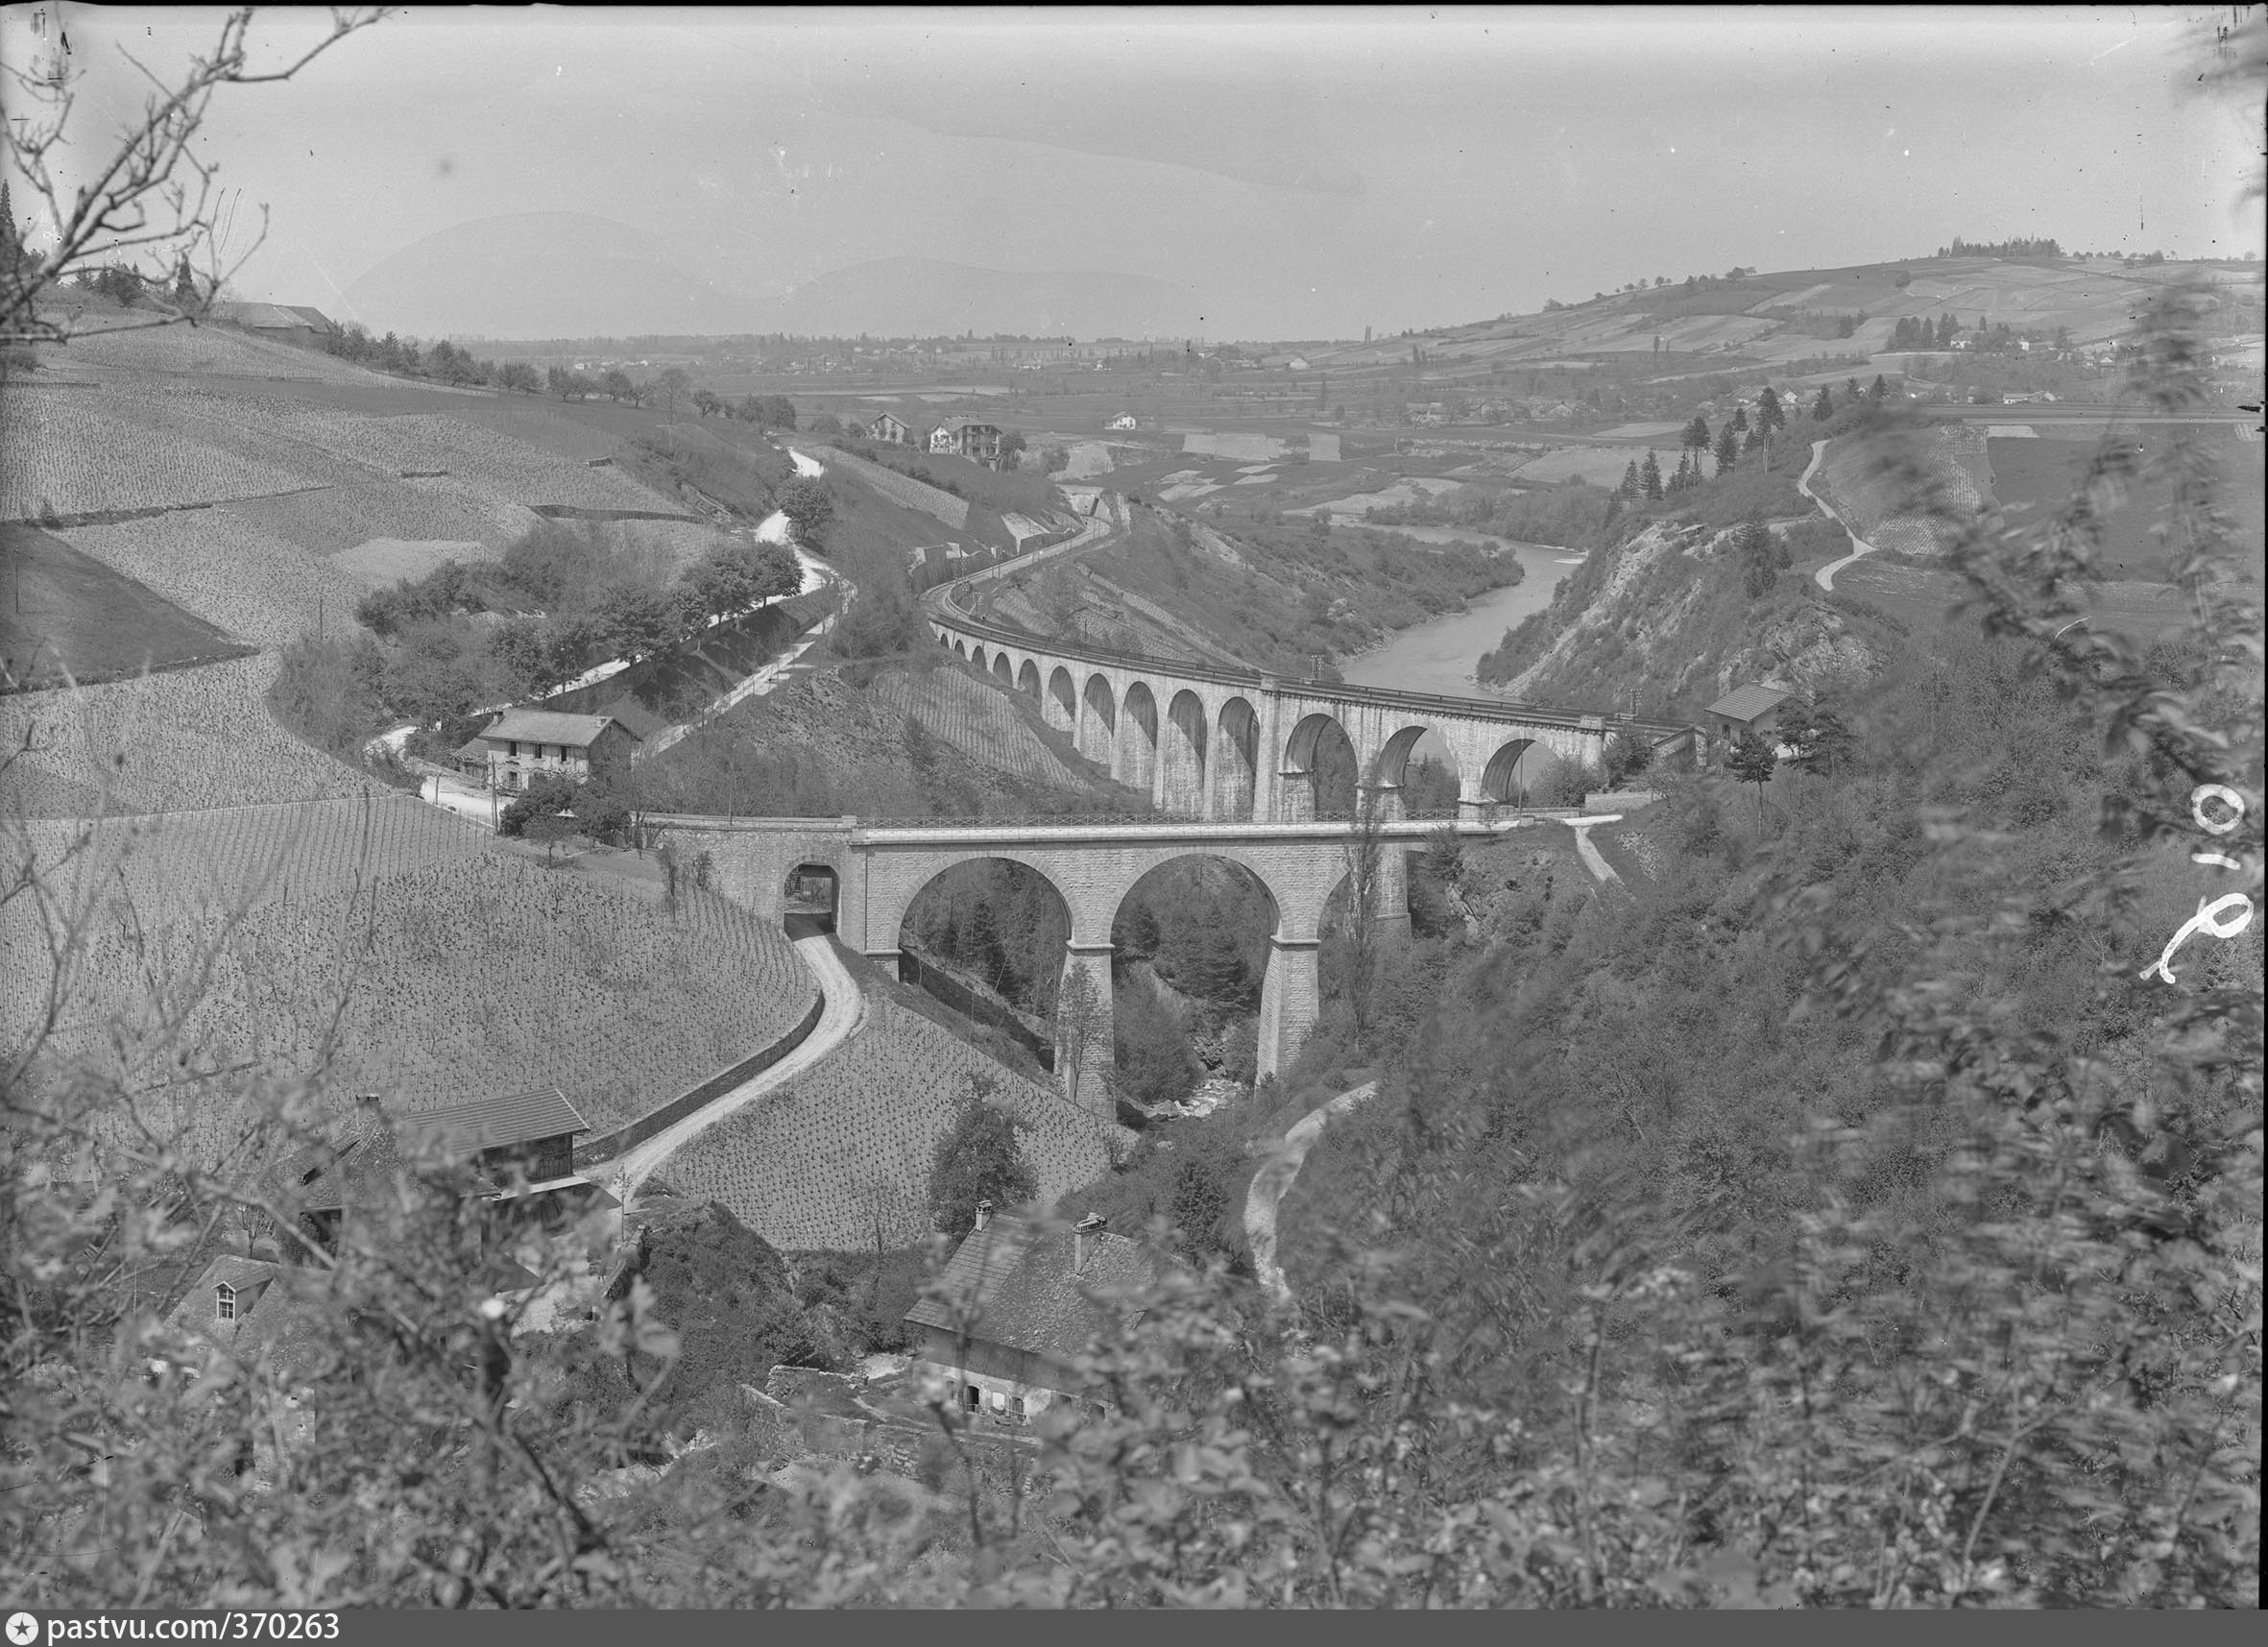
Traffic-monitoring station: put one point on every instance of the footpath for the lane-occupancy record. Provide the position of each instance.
(1859, 547)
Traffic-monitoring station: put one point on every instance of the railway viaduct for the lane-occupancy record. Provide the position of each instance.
(1231, 756)
(1232, 746)
(880, 869)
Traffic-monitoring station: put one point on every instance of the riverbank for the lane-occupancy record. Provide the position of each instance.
(1440, 655)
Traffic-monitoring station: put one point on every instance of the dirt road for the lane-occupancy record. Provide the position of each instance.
(845, 1010)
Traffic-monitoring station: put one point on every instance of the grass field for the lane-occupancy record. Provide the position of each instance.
(817, 1164)
(390, 947)
(65, 615)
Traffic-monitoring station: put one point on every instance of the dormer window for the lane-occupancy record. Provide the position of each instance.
(224, 1302)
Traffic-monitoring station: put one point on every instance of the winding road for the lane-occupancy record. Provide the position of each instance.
(1859, 547)
(1276, 1177)
(839, 1018)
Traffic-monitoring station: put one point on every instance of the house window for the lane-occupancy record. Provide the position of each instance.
(970, 1396)
(1021, 1410)
(514, 751)
(224, 1302)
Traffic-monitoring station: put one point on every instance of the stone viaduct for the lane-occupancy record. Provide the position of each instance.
(879, 870)
(1231, 746)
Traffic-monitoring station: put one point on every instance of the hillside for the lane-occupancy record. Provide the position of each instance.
(1768, 319)
(386, 944)
(1267, 596)
(936, 744)
(846, 1147)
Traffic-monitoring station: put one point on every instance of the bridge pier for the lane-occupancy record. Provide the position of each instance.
(1289, 997)
(1085, 1078)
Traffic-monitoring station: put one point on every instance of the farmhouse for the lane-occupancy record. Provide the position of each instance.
(980, 443)
(1745, 709)
(523, 744)
(1125, 420)
(1017, 1306)
(889, 429)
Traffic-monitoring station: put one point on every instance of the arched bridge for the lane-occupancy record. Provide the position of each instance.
(1231, 745)
(880, 869)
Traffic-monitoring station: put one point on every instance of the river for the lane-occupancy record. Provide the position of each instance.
(1439, 656)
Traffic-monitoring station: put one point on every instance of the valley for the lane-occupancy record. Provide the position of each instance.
(685, 922)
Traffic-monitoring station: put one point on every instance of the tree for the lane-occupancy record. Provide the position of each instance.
(1877, 391)
(1769, 415)
(1729, 452)
(617, 385)
(1080, 1014)
(1649, 476)
(673, 384)
(810, 508)
(1631, 485)
(550, 829)
(1823, 408)
(1011, 447)
(1753, 760)
(1758, 549)
(1697, 437)
(1198, 1206)
(1740, 420)
(152, 194)
(1816, 732)
(1627, 755)
(980, 1160)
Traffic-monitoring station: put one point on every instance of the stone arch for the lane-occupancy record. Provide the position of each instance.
(960, 651)
(813, 891)
(1399, 762)
(1061, 705)
(1318, 746)
(1027, 679)
(1512, 770)
(1183, 759)
(976, 657)
(1004, 671)
(1099, 721)
(1137, 763)
(1236, 762)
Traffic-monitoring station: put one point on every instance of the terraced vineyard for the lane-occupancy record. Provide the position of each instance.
(226, 572)
(80, 452)
(345, 516)
(174, 741)
(207, 351)
(812, 1165)
(465, 972)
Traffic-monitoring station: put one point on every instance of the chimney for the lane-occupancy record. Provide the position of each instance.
(983, 1213)
(1082, 1242)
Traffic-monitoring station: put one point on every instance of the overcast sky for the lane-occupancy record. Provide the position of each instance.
(1306, 172)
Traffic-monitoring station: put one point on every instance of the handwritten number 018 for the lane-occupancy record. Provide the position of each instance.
(2223, 918)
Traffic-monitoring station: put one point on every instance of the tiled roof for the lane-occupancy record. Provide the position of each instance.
(1011, 1284)
(278, 1314)
(495, 1123)
(549, 726)
(1749, 702)
(313, 317)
